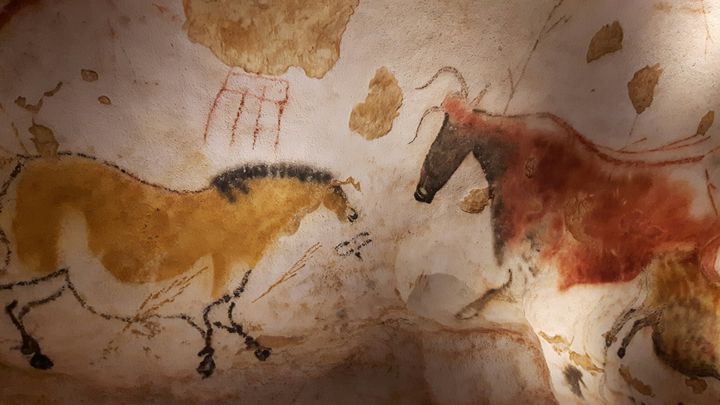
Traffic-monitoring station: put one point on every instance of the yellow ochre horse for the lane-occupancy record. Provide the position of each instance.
(144, 233)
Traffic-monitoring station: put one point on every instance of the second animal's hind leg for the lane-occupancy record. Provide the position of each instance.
(260, 351)
(649, 320)
(207, 365)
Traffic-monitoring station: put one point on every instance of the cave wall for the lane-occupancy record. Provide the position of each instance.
(358, 201)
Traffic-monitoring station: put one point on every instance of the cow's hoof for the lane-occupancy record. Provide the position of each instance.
(263, 354)
(206, 367)
(41, 361)
(621, 352)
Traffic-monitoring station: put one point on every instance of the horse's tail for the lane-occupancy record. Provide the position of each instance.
(5, 251)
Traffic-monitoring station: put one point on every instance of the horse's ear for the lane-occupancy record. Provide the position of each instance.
(349, 180)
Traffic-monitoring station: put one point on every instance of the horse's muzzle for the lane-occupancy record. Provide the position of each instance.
(353, 215)
(423, 196)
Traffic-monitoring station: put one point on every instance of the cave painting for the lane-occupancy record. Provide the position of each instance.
(247, 105)
(269, 37)
(682, 310)
(145, 233)
(596, 214)
(374, 117)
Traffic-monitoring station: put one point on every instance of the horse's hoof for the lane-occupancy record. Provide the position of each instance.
(41, 361)
(621, 352)
(263, 354)
(206, 367)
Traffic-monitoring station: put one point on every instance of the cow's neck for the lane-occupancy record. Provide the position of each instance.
(494, 156)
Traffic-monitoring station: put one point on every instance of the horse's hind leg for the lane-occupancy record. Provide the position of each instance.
(611, 335)
(30, 346)
(650, 320)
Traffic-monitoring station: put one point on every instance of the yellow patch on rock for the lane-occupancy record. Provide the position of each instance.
(475, 201)
(639, 386)
(641, 88)
(267, 37)
(374, 117)
(607, 40)
(44, 140)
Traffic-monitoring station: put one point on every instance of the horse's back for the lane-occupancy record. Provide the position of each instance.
(126, 219)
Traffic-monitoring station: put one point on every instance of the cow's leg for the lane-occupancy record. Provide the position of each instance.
(473, 309)
(649, 320)
(261, 352)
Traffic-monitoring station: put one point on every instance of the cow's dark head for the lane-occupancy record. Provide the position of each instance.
(446, 154)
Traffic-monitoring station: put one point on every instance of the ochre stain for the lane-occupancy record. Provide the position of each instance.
(598, 218)
(144, 233)
(269, 37)
(475, 201)
(374, 117)
(637, 384)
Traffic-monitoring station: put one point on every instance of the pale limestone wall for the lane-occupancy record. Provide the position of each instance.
(387, 326)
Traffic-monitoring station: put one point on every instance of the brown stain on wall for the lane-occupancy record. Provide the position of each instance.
(44, 139)
(641, 88)
(144, 233)
(637, 384)
(374, 117)
(89, 75)
(607, 40)
(267, 37)
(475, 201)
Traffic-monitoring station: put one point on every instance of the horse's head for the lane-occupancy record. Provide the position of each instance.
(336, 201)
(447, 152)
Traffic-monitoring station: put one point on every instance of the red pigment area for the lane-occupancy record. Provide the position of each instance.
(598, 220)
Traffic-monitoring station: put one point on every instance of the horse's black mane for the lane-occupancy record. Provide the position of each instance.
(235, 179)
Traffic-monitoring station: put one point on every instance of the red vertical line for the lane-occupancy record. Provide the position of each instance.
(237, 117)
(257, 118)
(212, 109)
(281, 108)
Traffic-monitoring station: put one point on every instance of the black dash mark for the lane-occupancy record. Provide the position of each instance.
(354, 245)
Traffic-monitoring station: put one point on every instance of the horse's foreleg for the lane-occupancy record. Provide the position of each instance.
(261, 352)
